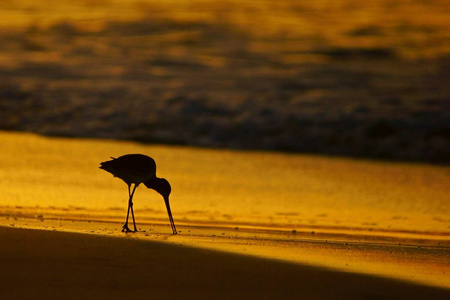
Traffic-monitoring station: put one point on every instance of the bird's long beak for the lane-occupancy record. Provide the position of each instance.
(172, 223)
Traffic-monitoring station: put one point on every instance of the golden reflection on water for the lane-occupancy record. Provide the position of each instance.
(231, 188)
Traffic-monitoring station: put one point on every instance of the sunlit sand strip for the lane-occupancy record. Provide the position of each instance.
(337, 233)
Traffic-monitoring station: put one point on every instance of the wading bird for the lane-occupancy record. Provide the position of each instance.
(136, 169)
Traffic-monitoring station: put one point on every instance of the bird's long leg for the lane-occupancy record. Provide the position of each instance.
(131, 206)
(125, 226)
(172, 223)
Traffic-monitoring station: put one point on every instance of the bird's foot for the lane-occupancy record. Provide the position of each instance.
(126, 229)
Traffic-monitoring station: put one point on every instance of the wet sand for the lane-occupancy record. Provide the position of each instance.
(54, 265)
(319, 228)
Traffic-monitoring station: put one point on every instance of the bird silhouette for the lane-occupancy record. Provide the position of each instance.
(136, 169)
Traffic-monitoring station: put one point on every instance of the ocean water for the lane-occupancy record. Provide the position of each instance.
(350, 79)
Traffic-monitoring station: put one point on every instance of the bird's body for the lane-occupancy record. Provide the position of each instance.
(131, 168)
(136, 169)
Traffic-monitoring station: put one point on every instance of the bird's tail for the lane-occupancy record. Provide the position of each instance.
(107, 165)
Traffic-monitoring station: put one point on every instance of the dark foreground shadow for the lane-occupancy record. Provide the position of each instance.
(53, 265)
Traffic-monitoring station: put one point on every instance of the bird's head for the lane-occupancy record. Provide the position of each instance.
(161, 185)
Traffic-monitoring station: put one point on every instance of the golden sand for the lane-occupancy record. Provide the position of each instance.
(380, 218)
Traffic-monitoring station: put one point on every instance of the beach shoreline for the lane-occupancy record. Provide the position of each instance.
(309, 228)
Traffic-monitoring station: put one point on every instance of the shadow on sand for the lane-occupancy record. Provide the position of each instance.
(51, 265)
